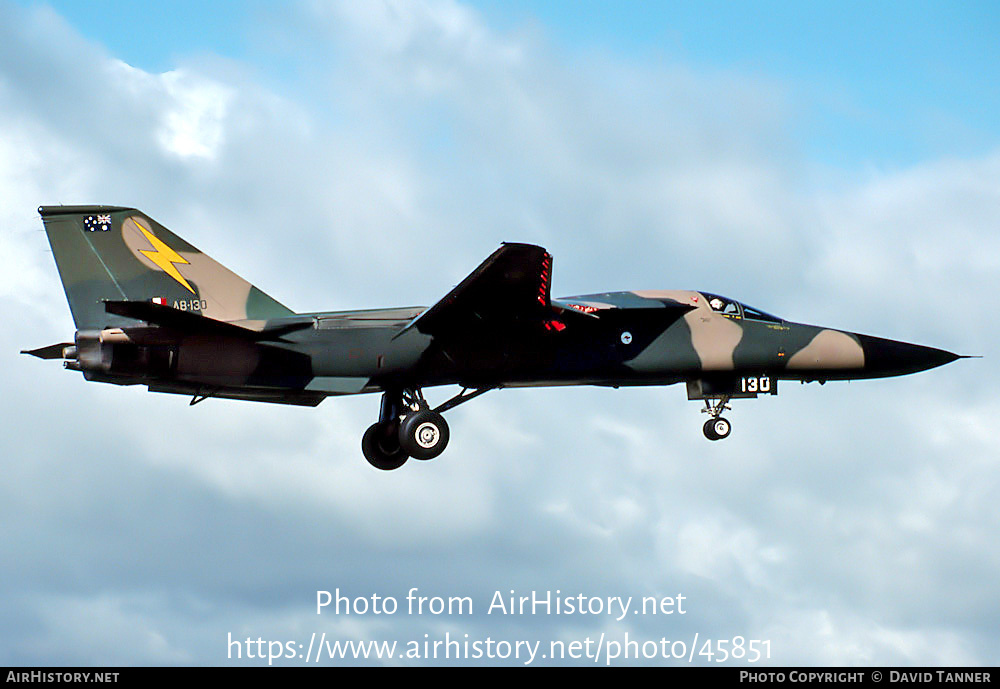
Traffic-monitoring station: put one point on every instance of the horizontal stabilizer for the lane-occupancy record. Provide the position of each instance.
(299, 398)
(191, 323)
(51, 352)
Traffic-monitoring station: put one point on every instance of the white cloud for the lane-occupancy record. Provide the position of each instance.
(829, 639)
(429, 46)
(194, 108)
(109, 630)
(914, 241)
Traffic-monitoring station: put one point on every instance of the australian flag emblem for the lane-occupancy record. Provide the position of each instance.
(97, 223)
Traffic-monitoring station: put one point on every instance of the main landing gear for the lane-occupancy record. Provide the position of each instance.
(717, 428)
(408, 427)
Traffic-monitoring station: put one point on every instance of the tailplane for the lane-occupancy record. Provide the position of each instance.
(109, 253)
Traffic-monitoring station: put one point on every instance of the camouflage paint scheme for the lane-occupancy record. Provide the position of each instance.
(151, 309)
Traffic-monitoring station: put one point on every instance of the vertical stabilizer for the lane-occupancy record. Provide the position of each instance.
(108, 253)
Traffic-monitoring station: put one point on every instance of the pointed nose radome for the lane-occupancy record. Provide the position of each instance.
(892, 358)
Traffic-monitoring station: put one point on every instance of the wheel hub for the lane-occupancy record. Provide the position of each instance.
(427, 435)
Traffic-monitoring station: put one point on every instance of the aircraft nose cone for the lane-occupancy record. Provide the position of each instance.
(892, 358)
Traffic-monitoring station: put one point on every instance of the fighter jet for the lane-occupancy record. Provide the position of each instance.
(150, 309)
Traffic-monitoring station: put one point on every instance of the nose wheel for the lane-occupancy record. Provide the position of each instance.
(717, 427)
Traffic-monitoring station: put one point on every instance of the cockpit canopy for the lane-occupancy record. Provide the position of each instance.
(734, 309)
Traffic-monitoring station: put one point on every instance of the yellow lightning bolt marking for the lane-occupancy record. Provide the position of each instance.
(164, 257)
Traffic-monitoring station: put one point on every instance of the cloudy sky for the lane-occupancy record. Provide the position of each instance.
(838, 165)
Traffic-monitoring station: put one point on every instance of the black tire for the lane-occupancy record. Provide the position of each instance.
(709, 431)
(380, 446)
(423, 434)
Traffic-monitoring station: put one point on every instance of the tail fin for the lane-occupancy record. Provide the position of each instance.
(107, 253)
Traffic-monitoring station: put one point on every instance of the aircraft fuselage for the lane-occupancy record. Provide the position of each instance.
(152, 309)
(631, 338)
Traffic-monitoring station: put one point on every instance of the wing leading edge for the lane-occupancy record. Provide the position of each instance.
(512, 286)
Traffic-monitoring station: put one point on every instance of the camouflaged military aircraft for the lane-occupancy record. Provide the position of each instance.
(150, 309)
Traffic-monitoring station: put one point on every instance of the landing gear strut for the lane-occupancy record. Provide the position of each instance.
(380, 443)
(408, 427)
(717, 428)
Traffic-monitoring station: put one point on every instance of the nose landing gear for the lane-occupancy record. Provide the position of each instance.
(717, 428)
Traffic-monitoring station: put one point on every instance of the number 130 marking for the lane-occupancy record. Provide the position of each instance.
(755, 384)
